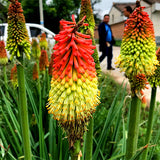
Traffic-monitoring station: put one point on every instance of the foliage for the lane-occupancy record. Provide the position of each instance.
(118, 43)
(3, 11)
(53, 13)
(110, 117)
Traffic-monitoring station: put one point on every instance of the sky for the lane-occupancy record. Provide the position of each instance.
(105, 5)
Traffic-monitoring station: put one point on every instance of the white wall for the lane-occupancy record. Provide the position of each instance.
(156, 23)
(115, 16)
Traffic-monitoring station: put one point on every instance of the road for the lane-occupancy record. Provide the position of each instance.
(120, 78)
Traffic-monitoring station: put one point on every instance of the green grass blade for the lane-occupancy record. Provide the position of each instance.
(155, 140)
(117, 157)
(18, 145)
(60, 143)
(113, 111)
(11, 114)
(101, 153)
(89, 140)
(138, 153)
(32, 101)
(124, 137)
(4, 153)
(52, 138)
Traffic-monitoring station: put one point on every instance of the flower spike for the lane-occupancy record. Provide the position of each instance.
(137, 56)
(138, 46)
(74, 94)
(18, 39)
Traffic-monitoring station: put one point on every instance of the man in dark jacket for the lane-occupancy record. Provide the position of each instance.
(106, 41)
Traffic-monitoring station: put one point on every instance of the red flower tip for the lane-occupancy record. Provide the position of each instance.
(3, 52)
(51, 65)
(43, 61)
(13, 76)
(35, 72)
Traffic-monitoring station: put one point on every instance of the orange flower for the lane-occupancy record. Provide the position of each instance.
(138, 84)
(43, 61)
(13, 77)
(51, 65)
(3, 54)
(35, 72)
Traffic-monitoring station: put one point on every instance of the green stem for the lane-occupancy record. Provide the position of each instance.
(5, 80)
(48, 80)
(89, 140)
(23, 110)
(60, 143)
(76, 150)
(41, 134)
(52, 138)
(133, 128)
(150, 121)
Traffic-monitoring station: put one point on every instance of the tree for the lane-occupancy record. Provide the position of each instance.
(3, 11)
(53, 13)
(63, 9)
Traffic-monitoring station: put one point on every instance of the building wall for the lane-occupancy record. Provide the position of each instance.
(115, 16)
(149, 11)
(156, 23)
(117, 21)
(145, 4)
(96, 32)
(154, 16)
(117, 30)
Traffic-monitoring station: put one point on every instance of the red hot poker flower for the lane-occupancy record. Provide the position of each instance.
(51, 65)
(74, 94)
(3, 54)
(43, 61)
(35, 72)
(13, 77)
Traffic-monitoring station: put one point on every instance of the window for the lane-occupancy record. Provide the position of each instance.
(1, 30)
(112, 18)
(35, 31)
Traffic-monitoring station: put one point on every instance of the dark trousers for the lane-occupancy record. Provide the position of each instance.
(107, 52)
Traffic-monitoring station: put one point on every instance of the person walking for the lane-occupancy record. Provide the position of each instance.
(106, 41)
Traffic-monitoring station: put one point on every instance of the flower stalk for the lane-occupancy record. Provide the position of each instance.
(74, 93)
(41, 134)
(150, 121)
(76, 153)
(23, 110)
(133, 129)
(89, 140)
(154, 82)
(18, 44)
(138, 60)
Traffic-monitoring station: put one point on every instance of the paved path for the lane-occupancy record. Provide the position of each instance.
(119, 76)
